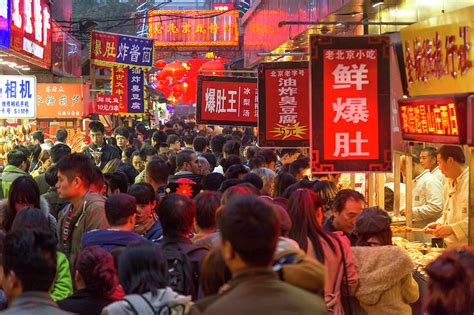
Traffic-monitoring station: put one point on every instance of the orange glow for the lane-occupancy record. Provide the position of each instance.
(429, 119)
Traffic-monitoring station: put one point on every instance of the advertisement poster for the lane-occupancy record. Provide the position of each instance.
(17, 96)
(60, 100)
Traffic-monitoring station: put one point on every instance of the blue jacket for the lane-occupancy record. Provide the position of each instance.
(109, 239)
(155, 233)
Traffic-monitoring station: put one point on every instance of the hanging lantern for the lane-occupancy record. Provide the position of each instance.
(160, 64)
(175, 69)
(215, 65)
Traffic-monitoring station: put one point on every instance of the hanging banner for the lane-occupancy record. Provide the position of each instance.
(30, 30)
(135, 86)
(5, 24)
(283, 91)
(119, 86)
(17, 96)
(60, 100)
(350, 104)
(107, 49)
(106, 104)
(227, 101)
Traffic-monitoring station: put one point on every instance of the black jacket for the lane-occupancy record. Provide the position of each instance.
(329, 227)
(84, 302)
(108, 153)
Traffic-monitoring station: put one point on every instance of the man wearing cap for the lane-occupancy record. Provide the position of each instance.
(453, 225)
(121, 211)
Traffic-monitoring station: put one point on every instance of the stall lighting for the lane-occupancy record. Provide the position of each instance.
(376, 3)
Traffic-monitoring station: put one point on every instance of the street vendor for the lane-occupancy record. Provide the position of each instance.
(453, 224)
(428, 159)
(427, 202)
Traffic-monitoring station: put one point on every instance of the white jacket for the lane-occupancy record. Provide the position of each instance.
(439, 175)
(455, 211)
(427, 199)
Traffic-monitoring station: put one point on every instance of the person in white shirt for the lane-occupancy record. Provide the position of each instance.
(429, 162)
(453, 225)
(427, 201)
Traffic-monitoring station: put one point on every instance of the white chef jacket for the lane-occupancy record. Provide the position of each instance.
(427, 199)
(439, 175)
(455, 210)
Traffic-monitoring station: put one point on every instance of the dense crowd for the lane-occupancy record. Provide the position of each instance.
(188, 219)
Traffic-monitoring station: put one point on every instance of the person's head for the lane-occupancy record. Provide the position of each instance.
(231, 147)
(24, 193)
(288, 156)
(127, 155)
(98, 182)
(59, 151)
(300, 168)
(250, 152)
(97, 133)
(211, 158)
(451, 160)
(94, 271)
(206, 206)
(346, 207)
(204, 165)
(158, 137)
(217, 144)
(214, 272)
(188, 140)
(372, 227)
(177, 214)
(156, 173)
(51, 176)
(238, 190)
(32, 219)
(200, 144)
(173, 142)
(270, 158)
(327, 191)
(282, 182)
(249, 233)
(268, 179)
(253, 179)
(229, 161)
(122, 135)
(146, 201)
(142, 268)
(257, 162)
(212, 181)
(61, 135)
(35, 151)
(29, 262)
(186, 160)
(75, 174)
(417, 169)
(38, 137)
(18, 158)
(121, 211)
(137, 162)
(451, 283)
(117, 182)
(147, 153)
(428, 158)
(236, 171)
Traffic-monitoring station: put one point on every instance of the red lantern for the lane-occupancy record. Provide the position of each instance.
(162, 75)
(214, 65)
(160, 64)
(175, 69)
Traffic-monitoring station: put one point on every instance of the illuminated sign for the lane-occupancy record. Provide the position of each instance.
(5, 24)
(66, 51)
(227, 101)
(438, 54)
(223, 7)
(350, 111)
(283, 104)
(17, 96)
(440, 119)
(31, 30)
(194, 28)
(60, 100)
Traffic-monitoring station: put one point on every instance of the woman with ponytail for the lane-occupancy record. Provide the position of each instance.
(451, 283)
(95, 278)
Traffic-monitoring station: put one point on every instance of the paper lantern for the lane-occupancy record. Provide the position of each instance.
(175, 69)
(160, 64)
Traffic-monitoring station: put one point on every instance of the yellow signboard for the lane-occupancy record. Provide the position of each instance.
(438, 54)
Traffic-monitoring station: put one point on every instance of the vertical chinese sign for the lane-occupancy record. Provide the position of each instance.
(350, 104)
(30, 30)
(283, 91)
(60, 100)
(227, 101)
(17, 96)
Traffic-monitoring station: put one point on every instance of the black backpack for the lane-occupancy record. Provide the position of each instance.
(183, 272)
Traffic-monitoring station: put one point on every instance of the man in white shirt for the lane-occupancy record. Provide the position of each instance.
(429, 162)
(453, 225)
(427, 201)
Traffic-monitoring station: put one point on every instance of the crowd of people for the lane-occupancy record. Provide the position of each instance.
(188, 219)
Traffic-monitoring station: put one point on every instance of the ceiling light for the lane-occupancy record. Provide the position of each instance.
(376, 3)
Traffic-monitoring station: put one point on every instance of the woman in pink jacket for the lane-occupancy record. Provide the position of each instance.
(331, 249)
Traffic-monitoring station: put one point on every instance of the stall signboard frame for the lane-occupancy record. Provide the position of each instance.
(229, 101)
(60, 101)
(17, 96)
(350, 104)
(283, 111)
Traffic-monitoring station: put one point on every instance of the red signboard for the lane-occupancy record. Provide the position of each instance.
(119, 86)
(283, 104)
(350, 104)
(441, 119)
(106, 104)
(31, 30)
(227, 101)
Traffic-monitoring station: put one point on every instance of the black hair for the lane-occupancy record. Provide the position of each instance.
(189, 139)
(282, 182)
(118, 211)
(122, 131)
(23, 189)
(231, 147)
(142, 268)
(158, 170)
(269, 155)
(177, 213)
(226, 184)
(206, 206)
(172, 139)
(327, 191)
(147, 150)
(234, 171)
(298, 165)
(61, 134)
(159, 136)
(117, 180)
(253, 179)
(345, 195)
(51, 176)
(200, 143)
(304, 183)
(31, 255)
(454, 151)
(432, 152)
(212, 181)
(96, 126)
(16, 158)
(38, 135)
(59, 151)
(229, 161)
(289, 151)
(182, 157)
(143, 193)
(217, 144)
(211, 158)
(257, 162)
(77, 164)
(35, 150)
(252, 228)
(98, 178)
(129, 152)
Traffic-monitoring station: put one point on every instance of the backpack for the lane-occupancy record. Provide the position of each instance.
(183, 272)
(141, 306)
